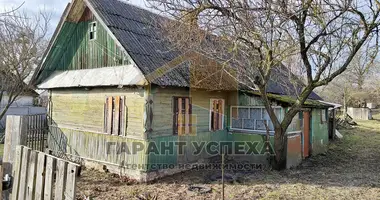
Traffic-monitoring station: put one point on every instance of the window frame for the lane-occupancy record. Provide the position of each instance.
(249, 107)
(210, 114)
(324, 119)
(175, 118)
(93, 30)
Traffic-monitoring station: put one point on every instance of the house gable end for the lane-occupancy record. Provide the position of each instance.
(82, 42)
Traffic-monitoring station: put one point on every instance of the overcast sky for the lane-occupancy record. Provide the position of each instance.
(53, 7)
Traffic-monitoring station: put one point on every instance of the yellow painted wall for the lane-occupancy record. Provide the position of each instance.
(84, 109)
(200, 99)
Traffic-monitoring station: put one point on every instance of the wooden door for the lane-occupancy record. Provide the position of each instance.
(306, 134)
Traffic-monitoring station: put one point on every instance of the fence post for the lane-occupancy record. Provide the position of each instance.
(15, 134)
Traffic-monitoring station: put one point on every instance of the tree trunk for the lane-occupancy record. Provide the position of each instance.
(280, 149)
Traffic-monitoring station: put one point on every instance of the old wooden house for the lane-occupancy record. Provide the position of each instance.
(113, 85)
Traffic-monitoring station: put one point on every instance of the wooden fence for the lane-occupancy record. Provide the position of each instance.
(28, 130)
(36, 132)
(38, 176)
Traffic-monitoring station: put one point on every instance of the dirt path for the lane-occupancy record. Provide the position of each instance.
(349, 170)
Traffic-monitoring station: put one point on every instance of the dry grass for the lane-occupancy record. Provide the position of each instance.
(349, 170)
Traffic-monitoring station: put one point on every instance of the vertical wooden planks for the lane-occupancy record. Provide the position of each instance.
(71, 181)
(43, 127)
(175, 116)
(34, 174)
(116, 116)
(44, 131)
(14, 135)
(40, 177)
(109, 115)
(180, 117)
(34, 130)
(49, 177)
(60, 180)
(215, 114)
(17, 171)
(123, 116)
(187, 115)
(31, 175)
(24, 174)
(39, 133)
(105, 119)
(220, 113)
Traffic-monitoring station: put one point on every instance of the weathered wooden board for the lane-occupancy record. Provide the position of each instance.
(31, 175)
(36, 174)
(74, 50)
(24, 173)
(84, 110)
(17, 172)
(60, 180)
(109, 115)
(49, 177)
(71, 181)
(116, 116)
(200, 101)
(40, 177)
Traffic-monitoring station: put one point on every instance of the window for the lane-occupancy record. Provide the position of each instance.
(323, 116)
(252, 118)
(216, 114)
(115, 115)
(93, 31)
(182, 115)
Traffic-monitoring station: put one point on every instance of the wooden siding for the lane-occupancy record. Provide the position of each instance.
(319, 133)
(163, 109)
(97, 147)
(73, 49)
(188, 155)
(84, 109)
(162, 126)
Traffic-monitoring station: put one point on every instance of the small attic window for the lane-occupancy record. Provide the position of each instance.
(93, 31)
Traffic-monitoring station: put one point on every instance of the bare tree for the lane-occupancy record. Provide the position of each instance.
(22, 42)
(340, 90)
(357, 84)
(255, 37)
(361, 65)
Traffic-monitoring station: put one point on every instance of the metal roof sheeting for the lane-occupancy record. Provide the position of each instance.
(106, 76)
(137, 30)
